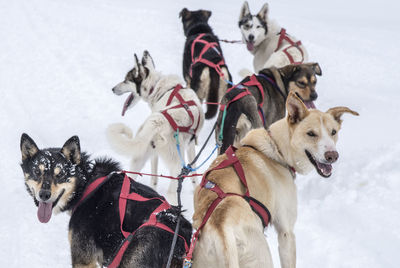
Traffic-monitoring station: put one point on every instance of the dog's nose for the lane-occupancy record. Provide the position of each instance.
(331, 156)
(44, 194)
(313, 96)
(251, 37)
(113, 89)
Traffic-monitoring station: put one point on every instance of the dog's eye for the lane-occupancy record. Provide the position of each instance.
(311, 133)
(258, 26)
(301, 84)
(37, 172)
(333, 132)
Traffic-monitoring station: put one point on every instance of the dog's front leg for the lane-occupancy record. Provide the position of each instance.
(154, 170)
(191, 153)
(287, 248)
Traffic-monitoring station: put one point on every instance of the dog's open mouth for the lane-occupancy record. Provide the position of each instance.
(325, 170)
(250, 45)
(127, 103)
(309, 104)
(45, 209)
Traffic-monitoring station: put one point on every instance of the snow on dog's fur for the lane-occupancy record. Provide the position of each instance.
(303, 141)
(156, 136)
(58, 180)
(261, 35)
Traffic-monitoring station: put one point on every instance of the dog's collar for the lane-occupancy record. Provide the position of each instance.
(165, 92)
(279, 159)
(274, 83)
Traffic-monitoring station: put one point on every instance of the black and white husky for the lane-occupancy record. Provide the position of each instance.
(267, 41)
(155, 138)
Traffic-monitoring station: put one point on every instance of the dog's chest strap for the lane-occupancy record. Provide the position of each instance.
(199, 58)
(256, 206)
(182, 104)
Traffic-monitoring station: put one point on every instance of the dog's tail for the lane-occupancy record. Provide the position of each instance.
(120, 138)
(213, 94)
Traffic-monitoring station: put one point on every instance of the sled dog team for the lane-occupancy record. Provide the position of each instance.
(269, 117)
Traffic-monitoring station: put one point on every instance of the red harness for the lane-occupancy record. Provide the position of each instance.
(123, 197)
(252, 82)
(207, 46)
(257, 207)
(182, 104)
(283, 36)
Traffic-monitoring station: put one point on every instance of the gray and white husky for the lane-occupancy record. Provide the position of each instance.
(156, 137)
(262, 37)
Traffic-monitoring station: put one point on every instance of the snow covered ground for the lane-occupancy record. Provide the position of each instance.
(60, 59)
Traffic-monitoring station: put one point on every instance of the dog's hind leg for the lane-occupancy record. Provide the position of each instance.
(191, 153)
(173, 185)
(212, 87)
(223, 85)
(154, 170)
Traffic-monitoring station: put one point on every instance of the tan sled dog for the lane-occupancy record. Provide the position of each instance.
(234, 234)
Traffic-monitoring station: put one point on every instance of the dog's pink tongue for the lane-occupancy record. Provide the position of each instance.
(127, 103)
(250, 46)
(44, 211)
(310, 105)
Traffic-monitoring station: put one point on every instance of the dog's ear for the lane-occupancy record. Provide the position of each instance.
(184, 14)
(316, 68)
(72, 150)
(337, 113)
(287, 71)
(297, 111)
(137, 66)
(28, 147)
(147, 60)
(245, 11)
(206, 13)
(263, 12)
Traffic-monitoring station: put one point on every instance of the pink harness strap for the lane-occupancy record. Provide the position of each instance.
(125, 195)
(182, 104)
(152, 221)
(259, 208)
(252, 82)
(283, 36)
(207, 46)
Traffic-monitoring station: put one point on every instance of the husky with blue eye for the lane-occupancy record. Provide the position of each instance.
(268, 42)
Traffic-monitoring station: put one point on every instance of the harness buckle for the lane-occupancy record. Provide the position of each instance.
(209, 185)
(187, 263)
(185, 106)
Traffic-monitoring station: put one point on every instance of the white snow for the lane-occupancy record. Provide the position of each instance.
(60, 59)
